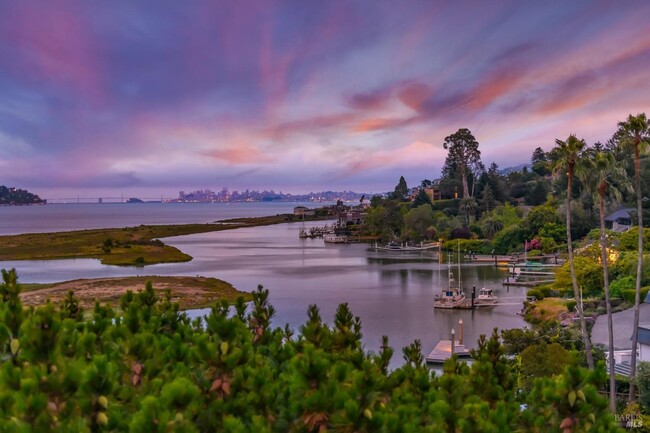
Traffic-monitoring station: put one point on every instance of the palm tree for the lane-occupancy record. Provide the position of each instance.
(568, 157)
(604, 173)
(634, 134)
(491, 225)
(468, 205)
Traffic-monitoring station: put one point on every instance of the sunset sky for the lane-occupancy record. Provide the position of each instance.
(151, 97)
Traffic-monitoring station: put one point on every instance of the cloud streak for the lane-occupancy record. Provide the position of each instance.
(303, 96)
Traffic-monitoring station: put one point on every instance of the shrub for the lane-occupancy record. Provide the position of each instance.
(589, 274)
(617, 286)
(537, 294)
(547, 245)
(629, 240)
(474, 245)
(461, 233)
(571, 305)
(629, 294)
(534, 253)
(507, 239)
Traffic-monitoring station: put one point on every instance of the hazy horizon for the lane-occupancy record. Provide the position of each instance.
(149, 98)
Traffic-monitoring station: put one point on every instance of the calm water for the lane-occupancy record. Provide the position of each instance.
(392, 293)
(63, 217)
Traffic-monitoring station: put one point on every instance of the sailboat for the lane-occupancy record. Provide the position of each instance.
(450, 296)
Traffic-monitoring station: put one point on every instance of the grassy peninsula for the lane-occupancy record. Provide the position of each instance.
(130, 246)
(188, 292)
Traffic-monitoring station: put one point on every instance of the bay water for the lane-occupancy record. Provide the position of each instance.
(391, 292)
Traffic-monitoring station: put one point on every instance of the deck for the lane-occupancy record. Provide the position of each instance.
(442, 352)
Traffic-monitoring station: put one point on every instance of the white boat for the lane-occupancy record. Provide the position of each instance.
(485, 298)
(394, 246)
(452, 297)
(333, 238)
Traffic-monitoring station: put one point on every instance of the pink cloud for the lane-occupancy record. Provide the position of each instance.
(59, 45)
(239, 154)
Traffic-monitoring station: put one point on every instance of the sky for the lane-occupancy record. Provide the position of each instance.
(152, 97)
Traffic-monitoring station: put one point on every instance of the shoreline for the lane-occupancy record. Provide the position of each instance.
(188, 292)
(129, 246)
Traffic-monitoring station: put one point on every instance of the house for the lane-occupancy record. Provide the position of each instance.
(619, 221)
(303, 211)
(352, 216)
(644, 342)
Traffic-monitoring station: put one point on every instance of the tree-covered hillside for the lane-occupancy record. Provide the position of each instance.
(17, 196)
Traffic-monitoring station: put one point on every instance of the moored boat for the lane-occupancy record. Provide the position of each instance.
(333, 238)
(485, 298)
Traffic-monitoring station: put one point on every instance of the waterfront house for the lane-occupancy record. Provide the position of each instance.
(352, 216)
(619, 221)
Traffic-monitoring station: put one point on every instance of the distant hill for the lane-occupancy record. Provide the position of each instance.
(17, 196)
(505, 171)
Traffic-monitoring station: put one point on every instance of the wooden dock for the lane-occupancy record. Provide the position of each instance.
(446, 348)
(527, 283)
(442, 352)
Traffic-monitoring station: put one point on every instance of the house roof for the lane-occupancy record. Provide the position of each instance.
(644, 334)
(621, 213)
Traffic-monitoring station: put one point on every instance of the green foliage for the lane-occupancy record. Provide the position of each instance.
(542, 360)
(629, 240)
(540, 216)
(508, 239)
(473, 245)
(643, 383)
(629, 294)
(463, 158)
(626, 266)
(555, 231)
(537, 192)
(417, 221)
(401, 189)
(149, 368)
(620, 284)
(421, 199)
(535, 293)
(589, 275)
(450, 205)
(17, 196)
(548, 245)
(491, 225)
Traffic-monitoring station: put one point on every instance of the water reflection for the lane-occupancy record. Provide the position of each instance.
(393, 296)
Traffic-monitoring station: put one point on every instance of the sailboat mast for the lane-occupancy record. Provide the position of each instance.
(460, 278)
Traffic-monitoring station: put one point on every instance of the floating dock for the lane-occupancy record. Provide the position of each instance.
(442, 352)
(446, 348)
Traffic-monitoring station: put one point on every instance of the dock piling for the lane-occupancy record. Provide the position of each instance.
(453, 334)
(460, 332)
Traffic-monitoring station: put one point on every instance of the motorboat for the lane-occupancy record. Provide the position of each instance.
(333, 238)
(485, 298)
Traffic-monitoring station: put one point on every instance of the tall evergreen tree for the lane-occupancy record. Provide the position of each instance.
(488, 202)
(401, 189)
(463, 158)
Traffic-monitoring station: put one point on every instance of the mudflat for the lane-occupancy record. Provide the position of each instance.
(189, 292)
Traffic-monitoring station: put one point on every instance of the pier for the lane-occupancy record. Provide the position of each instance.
(445, 349)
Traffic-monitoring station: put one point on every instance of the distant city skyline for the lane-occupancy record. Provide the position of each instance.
(148, 98)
